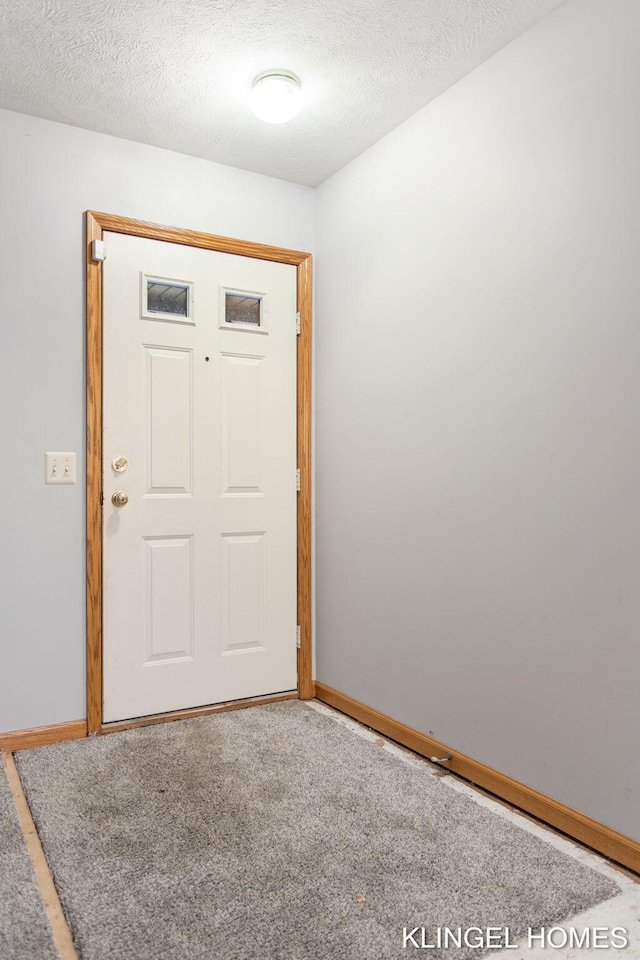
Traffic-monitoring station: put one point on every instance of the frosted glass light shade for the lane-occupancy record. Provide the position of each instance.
(276, 96)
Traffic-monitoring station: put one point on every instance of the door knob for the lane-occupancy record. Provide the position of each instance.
(119, 498)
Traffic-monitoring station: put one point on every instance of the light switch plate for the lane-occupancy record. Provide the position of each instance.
(59, 468)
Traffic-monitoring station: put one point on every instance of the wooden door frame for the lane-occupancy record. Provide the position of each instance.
(96, 224)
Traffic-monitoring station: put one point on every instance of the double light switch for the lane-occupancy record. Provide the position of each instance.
(60, 468)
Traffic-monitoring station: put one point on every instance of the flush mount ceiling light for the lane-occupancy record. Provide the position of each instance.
(276, 96)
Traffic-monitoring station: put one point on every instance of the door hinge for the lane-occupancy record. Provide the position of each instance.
(298, 636)
(298, 480)
(297, 324)
(98, 251)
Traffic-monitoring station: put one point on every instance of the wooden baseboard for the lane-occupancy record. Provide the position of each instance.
(40, 736)
(576, 825)
(196, 712)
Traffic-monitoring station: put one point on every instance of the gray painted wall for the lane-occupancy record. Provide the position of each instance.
(478, 398)
(50, 174)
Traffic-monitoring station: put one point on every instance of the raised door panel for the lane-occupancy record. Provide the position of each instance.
(243, 441)
(243, 592)
(169, 598)
(168, 421)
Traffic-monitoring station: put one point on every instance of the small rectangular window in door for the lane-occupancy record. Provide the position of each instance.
(244, 310)
(164, 299)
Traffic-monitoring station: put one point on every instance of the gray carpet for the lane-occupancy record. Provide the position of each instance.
(24, 928)
(251, 835)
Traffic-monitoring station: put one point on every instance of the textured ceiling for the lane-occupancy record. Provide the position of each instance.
(176, 73)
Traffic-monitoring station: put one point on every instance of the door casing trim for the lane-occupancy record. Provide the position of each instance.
(96, 224)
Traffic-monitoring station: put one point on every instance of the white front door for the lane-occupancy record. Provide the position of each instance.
(199, 590)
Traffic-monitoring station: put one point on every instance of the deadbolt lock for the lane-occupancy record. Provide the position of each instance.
(120, 498)
(120, 464)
